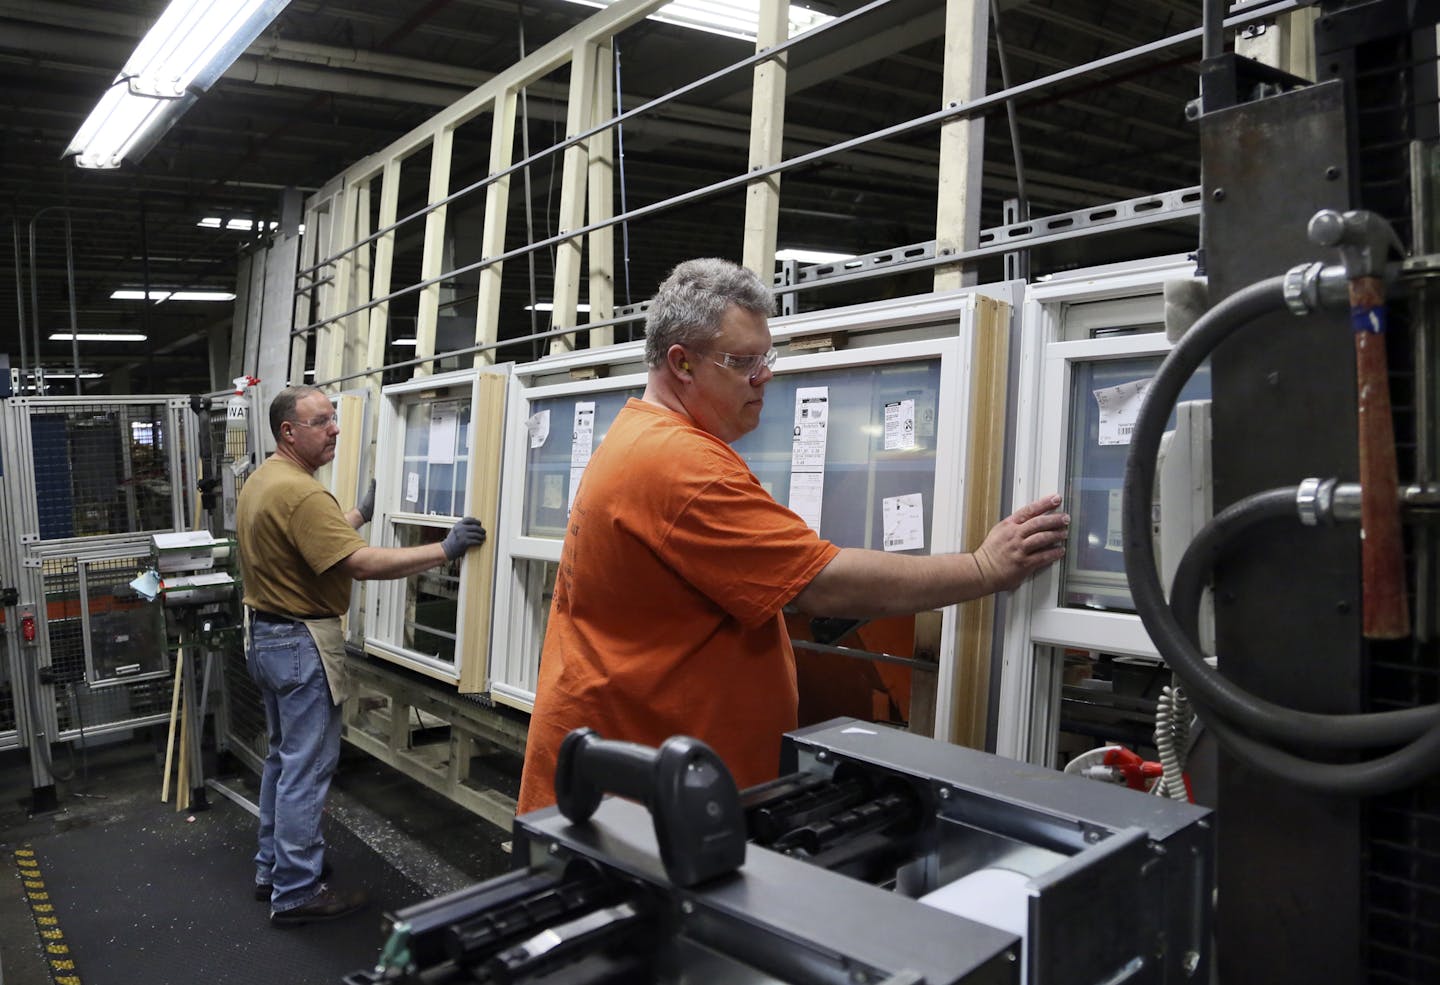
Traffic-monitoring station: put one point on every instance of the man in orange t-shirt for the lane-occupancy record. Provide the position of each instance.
(667, 616)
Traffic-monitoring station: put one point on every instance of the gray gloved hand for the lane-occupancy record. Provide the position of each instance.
(466, 533)
(366, 506)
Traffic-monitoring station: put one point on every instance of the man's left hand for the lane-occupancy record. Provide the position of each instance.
(366, 506)
(1027, 540)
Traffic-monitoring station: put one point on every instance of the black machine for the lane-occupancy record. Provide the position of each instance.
(880, 857)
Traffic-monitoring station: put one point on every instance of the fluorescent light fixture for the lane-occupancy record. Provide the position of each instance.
(547, 306)
(135, 294)
(190, 46)
(97, 337)
(409, 343)
(234, 225)
(203, 296)
(732, 18)
(812, 256)
(241, 225)
(65, 375)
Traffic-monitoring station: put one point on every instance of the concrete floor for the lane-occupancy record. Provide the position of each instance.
(431, 841)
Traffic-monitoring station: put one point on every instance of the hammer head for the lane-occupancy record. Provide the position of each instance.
(1363, 238)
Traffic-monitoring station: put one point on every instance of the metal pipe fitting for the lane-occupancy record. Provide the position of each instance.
(1331, 501)
(1312, 286)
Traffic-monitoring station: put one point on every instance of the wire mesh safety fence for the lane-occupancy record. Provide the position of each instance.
(105, 468)
(118, 677)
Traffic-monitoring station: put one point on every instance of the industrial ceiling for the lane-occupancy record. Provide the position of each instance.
(331, 82)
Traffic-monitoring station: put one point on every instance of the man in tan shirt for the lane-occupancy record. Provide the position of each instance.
(301, 554)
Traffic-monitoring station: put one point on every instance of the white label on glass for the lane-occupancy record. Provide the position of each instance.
(899, 424)
(812, 416)
(444, 418)
(552, 491)
(1114, 522)
(583, 437)
(904, 520)
(807, 453)
(539, 427)
(575, 476)
(806, 491)
(1119, 406)
(412, 487)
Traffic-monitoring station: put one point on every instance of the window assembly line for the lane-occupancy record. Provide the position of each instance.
(1050, 600)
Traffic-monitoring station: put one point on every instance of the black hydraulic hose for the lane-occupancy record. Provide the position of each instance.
(1232, 702)
(1252, 714)
(1371, 777)
(1385, 774)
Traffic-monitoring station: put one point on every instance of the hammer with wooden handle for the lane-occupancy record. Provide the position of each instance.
(1364, 240)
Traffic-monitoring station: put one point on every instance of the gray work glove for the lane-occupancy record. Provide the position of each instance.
(466, 533)
(366, 506)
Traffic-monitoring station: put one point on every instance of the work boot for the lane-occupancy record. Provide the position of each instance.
(328, 904)
(264, 889)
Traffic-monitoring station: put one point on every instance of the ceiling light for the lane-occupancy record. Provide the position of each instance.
(812, 256)
(547, 306)
(243, 225)
(135, 294)
(237, 225)
(203, 296)
(66, 375)
(97, 337)
(410, 343)
(192, 43)
(732, 18)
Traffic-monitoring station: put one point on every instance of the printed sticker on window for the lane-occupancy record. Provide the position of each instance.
(1119, 407)
(899, 425)
(904, 522)
(538, 424)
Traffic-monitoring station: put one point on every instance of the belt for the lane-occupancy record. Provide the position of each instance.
(258, 615)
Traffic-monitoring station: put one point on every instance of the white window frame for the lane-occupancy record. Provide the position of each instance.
(513, 675)
(1054, 338)
(921, 328)
(385, 599)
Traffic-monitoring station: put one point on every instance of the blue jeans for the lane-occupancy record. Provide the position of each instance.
(304, 730)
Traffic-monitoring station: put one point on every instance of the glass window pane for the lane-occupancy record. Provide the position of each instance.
(860, 472)
(432, 598)
(437, 456)
(547, 468)
(538, 581)
(1093, 572)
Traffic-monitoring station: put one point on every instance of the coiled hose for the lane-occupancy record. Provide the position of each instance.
(1243, 722)
(1172, 734)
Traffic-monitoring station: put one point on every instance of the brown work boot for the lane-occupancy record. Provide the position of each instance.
(263, 889)
(328, 904)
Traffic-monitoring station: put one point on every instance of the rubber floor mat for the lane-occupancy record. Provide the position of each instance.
(166, 898)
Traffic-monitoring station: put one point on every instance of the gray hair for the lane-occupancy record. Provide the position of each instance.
(282, 408)
(689, 306)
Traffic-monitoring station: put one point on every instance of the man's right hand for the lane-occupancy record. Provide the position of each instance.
(466, 533)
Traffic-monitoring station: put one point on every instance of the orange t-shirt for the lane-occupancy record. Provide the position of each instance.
(666, 617)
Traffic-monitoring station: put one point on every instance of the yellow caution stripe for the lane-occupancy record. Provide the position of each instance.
(57, 952)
